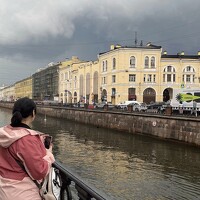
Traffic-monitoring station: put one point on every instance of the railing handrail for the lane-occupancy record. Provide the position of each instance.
(91, 192)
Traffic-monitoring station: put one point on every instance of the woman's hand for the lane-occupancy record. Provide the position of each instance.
(43, 136)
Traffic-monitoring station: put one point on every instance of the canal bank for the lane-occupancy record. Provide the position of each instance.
(166, 127)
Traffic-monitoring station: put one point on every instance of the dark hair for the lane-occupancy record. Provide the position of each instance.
(23, 108)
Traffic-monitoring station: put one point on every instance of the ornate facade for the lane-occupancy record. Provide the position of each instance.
(142, 73)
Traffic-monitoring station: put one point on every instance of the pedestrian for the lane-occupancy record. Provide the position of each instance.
(20, 144)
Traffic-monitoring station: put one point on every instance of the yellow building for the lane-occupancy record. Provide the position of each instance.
(179, 71)
(88, 82)
(130, 73)
(23, 88)
(145, 74)
(7, 93)
(142, 73)
(67, 81)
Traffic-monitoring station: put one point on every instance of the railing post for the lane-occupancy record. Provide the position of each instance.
(82, 194)
(66, 182)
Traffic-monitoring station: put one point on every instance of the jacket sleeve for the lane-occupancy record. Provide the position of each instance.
(36, 159)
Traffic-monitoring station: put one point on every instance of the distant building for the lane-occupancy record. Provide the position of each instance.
(45, 83)
(143, 73)
(23, 88)
(68, 80)
(8, 93)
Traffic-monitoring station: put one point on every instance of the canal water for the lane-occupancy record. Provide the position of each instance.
(122, 165)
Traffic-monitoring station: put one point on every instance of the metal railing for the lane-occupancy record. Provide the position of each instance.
(83, 191)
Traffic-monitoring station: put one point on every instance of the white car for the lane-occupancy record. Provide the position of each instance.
(124, 105)
(103, 104)
(140, 107)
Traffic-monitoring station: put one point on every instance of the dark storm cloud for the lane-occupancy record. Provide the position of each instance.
(35, 33)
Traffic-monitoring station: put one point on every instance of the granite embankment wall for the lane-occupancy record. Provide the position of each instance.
(166, 127)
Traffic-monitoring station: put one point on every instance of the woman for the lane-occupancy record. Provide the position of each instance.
(19, 142)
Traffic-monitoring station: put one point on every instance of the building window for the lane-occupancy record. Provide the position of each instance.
(189, 69)
(132, 77)
(132, 62)
(144, 78)
(188, 75)
(114, 63)
(153, 62)
(146, 62)
(174, 78)
(169, 78)
(149, 78)
(188, 78)
(113, 92)
(169, 74)
(154, 78)
(106, 66)
(113, 78)
(103, 66)
(103, 80)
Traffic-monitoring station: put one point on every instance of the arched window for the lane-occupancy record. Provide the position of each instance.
(146, 62)
(152, 62)
(114, 63)
(169, 74)
(188, 75)
(132, 62)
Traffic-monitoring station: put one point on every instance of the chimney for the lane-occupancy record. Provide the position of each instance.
(112, 46)
(165, 53)
(118, 46)
(148, 44)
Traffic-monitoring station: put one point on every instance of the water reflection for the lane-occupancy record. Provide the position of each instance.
(125, 166)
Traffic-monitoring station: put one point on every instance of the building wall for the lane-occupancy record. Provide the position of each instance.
(8, 93)
(90, 82)
(182, 67)
(124, 70)
(67, 82)
(45, 83)
(23, 88)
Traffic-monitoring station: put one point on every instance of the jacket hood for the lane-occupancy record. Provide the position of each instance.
(9, 134)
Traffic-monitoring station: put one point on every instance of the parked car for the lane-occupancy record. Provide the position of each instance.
(79, 105)
(124, 105)
(155, 105)
(140, 107)
(159, 106)
(103, 104)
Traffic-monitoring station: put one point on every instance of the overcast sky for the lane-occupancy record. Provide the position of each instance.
(35, 33)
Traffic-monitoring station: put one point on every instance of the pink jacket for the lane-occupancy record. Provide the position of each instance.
(26, 145)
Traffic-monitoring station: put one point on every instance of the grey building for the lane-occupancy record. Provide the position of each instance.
(45, 83)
